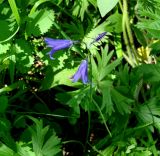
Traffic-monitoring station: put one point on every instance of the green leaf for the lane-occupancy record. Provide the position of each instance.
(24, 55)
(106, 6)
(155, 48)
(77, 99)
(3, 104)
(116, 22)
(19, 84)
(40, 22)
(5, 30)
(80, 8)
(41, 145)
(60, 78)
(149, 112)
(152, 74)
(104, 71)
(4, 48)
(23, 149)
(51, 147)
(5, 150)
(140, 36)
(107, 104)
(122, 102)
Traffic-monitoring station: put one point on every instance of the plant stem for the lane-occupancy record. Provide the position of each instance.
(14, 9)
(90, 97)
(103, 119)
(127, 23)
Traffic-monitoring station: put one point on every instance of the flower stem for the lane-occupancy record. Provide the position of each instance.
(128, 37)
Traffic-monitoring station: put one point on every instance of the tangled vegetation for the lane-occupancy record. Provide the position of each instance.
(79, 77)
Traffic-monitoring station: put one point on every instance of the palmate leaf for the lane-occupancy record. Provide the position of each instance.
(107, 103)
(79, 8)
(152, 74)
(149, 112)
(40, 22)
(75, 29)
(102, 73)
(79, 97)
(104, 67)
(42, 145)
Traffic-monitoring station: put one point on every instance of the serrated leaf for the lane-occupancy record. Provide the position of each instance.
(24, 150)
(41, 146)
(52, 146)
(4, 48)
(106, 5)
(40, 22)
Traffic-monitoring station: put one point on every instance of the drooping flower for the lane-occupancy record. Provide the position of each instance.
(82, 73)
(58, 44)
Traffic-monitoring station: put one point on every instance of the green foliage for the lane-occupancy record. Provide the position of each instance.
(149, 19)
(43, 113)
(50, 146)
(36, 23)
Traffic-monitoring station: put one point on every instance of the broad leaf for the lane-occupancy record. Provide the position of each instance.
(106, 6)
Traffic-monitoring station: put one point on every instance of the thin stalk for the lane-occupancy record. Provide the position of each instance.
(14, 9)
(36, 6)
(10, 37)
(89, 113)
(47, 114)
(73, 141)
(103, 119)
(95, 149)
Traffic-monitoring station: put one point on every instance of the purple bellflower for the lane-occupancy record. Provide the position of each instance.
(99, 37)
(58, 44)
(82, 73)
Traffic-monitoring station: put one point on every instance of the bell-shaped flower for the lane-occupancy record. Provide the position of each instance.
(58, 44)
(82, 73)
